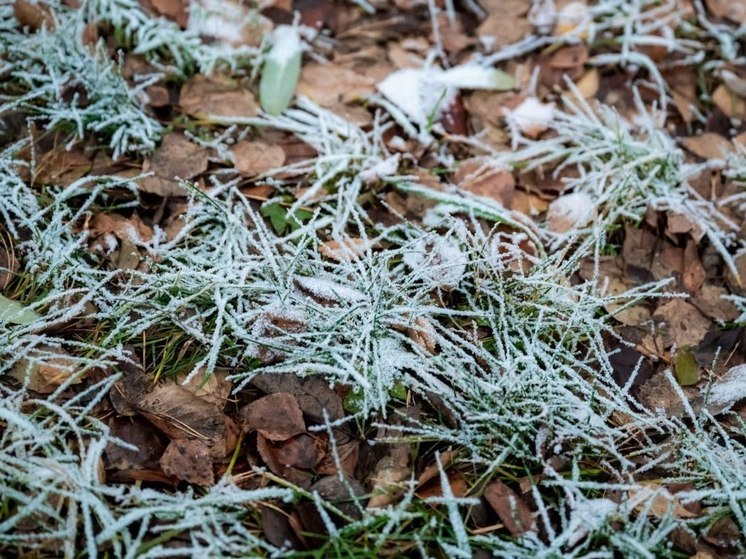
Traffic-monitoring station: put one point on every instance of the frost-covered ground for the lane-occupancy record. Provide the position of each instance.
(481, 337)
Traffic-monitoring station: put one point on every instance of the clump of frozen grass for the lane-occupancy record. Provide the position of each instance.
(56, 500)
(78, 87)
(625, 168)
(71, 85)
(164, 44)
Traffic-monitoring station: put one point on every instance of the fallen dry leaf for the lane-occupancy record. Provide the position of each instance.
(44, 374)
(277, 417)
(734, 10)
(731, 104)
(256, 158)
(710, 302)
(213, 388)
(175, 10)
(484, 179)
(344, 251)
(312, 393)
(570, 211)
(708, 145)
(176, 157)
(180, 414)
(510, 508)
(189, 460)
(214, 98)
(301, 451)
(331, 84)
(655, 500)
(588, 85)
(138, 432)
(33, 15)
(681, 323)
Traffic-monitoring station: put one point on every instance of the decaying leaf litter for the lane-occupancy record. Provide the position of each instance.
(370, 278)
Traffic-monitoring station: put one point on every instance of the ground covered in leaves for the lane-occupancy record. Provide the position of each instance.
(355, 279)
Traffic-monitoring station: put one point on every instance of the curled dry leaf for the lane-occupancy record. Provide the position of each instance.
(510, 508)
(215, 98)
(180, 414)
(734, 10)
(189, 460)
(278, 417)
(256, 158)
(176, 157)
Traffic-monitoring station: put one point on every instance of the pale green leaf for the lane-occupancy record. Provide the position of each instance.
(15, 313)
(687, 369)
(281, 71)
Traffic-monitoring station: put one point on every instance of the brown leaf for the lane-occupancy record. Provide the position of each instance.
(33, 15)
(266, 450)
(278, 417)
(512, 510)
(256, 158)
(678, 223)
(45, 374)
(569, 57)
(312, 393)
(456, 480)
(681, 323)
(138, 432)
(8, 262)
(212, 99)
(301, 451)
(63, 167)
(709, 300)
(734, 10)
(180, 414)
(349, 249)
(213, 388)
(708, 145)
(484, 179)
(731, 104)
(347, 456)
(175, 10)
(694, 272)
(176, 157)
(501, 29)
(331, 84)
(657, 501)
(189, 460)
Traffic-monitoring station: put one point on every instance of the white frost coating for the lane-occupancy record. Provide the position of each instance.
(381, 169)
(423, 92)
(286, 44)
(588, 516)
(531, 117)
(221, 19)
(470, 76)
(417, 93)
(330, 290)
(570, 212)
(440, 262)
(729, 389)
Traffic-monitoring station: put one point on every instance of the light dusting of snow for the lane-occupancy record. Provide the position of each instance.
(417, 93)
(730, 388)
(222, 19)
(286, 44)
(330, 290)
(531, 117)
(570, 211)
(440, 261)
